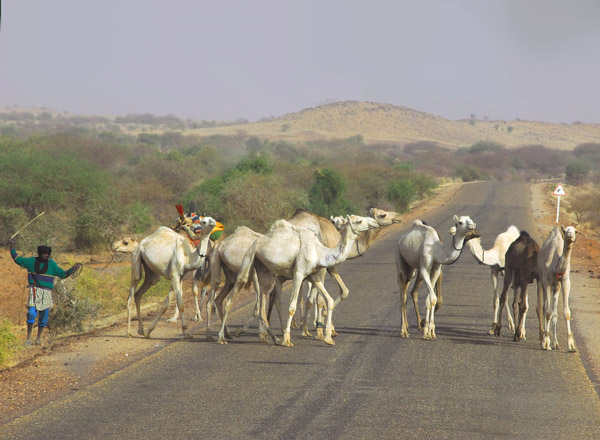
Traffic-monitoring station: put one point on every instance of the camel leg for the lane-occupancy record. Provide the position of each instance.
(566, 288)
(414, 293)
(218, 303)
(310, 301)
(403, 273)
(150, 279)
(555, 293)
(540, 310)
(296, 285)
(547, 317)
(523, 304)
(508, 275)
(496, 304)
(330, 306)
(224, 311)
(429, 331)
(177, 287)
(265, 280)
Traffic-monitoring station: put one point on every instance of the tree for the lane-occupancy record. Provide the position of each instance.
(326, 194)
(577, 171)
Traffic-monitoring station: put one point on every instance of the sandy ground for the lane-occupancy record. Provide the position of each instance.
(64, 364)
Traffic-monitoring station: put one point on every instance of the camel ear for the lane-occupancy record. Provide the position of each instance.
(455, 218)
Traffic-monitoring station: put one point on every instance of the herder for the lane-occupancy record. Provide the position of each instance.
(41, 271)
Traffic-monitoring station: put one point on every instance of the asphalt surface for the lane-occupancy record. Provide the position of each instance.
(372, 384)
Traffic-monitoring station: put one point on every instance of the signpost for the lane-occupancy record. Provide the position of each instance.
(559, 191)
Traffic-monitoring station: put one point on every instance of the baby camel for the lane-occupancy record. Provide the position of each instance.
(520, 270)
(421, 250)
(554, 265)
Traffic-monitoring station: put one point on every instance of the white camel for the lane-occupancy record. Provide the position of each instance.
(228, 257)
(361, 245)
(294, 253)
(127, 245)
(554, 265)
(165, 253)
(421, 250)
(494, 258)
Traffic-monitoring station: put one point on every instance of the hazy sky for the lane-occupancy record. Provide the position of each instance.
(220, 59)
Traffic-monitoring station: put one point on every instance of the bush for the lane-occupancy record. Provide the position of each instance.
(402, 193)
(577, 171)
(71, 311)
(8, 343)
(326, 195)
(468, 173)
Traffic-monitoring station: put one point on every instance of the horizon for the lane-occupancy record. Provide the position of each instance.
(461, 59)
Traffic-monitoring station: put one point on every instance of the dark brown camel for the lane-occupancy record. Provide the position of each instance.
(520, 270)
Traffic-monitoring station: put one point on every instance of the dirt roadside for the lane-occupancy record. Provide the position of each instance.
(65, 364)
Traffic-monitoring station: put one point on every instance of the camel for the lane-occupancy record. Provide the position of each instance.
(228, 257)
(165, 253)
(494, 258)
(421, 250)
(554, 265)
(127, 245)
(330, 238)
(295, 253)
(520, 270)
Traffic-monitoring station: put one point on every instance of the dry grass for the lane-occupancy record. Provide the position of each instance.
(388, 123)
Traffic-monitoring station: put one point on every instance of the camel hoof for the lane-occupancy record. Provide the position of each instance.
(546, 344)
(333, 333)
(404, 333)
(264, 337)
(171, 320)
(187, 335)
(306, 333)
(320, 335)
(511, 326)
(329, 341)
(422, 325)
(238, 332)
(222, 341)
(286, 344)
(141, 332)
(497, 330)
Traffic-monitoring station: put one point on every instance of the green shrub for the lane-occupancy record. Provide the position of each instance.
(8, 343)
(71, 311)
(402, 193)
(326, 195)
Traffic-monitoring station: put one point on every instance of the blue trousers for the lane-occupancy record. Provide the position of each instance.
(42, 316)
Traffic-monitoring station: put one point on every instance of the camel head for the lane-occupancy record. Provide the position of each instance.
(385, 218)
(464, 226)
(207, 225)
(569, 233)
(338, 221)
(360, 224)
(125, 246)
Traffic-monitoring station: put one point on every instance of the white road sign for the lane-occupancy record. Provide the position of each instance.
(559, 191)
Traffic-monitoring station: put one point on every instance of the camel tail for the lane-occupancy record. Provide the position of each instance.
(244, 277)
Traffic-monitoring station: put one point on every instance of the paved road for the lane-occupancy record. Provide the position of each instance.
(371, 385)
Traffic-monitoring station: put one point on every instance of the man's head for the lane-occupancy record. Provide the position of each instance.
(44, 252)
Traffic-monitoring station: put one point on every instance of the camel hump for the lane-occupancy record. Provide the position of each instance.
(524, 234)
(299, 211)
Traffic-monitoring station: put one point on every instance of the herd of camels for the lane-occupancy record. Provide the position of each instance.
(306, 247)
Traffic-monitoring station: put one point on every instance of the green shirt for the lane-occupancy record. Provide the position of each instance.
(39, 273)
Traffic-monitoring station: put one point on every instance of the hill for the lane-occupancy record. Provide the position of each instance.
(375, 122)
(386, 123)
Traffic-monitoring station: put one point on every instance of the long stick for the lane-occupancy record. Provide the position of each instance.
(30, 222)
